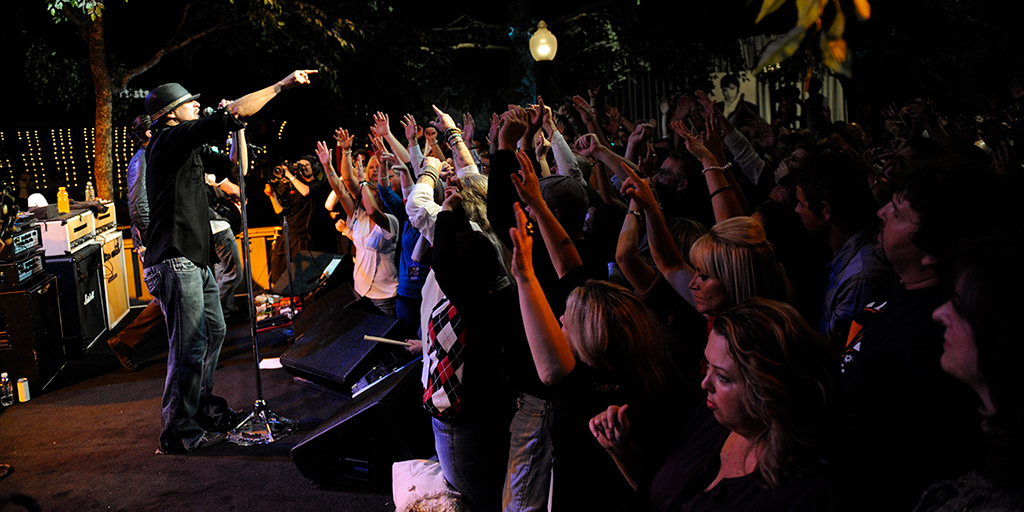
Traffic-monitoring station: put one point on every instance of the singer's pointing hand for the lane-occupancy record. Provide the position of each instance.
(297, 77)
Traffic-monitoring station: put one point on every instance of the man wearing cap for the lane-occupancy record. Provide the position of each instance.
(179, 253)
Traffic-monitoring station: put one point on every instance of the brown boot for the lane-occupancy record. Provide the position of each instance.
(123, 353)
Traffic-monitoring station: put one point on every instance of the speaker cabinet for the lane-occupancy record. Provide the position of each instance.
(333, 353)
(114, 281)
(307, 268)
(381, 426)
(30, 334)
(81, 297)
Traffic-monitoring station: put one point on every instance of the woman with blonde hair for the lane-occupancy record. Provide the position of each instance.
(732, 263)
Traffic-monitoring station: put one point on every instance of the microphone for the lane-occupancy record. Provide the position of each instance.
(206, 112)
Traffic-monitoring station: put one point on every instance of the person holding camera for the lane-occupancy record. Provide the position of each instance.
(299, 191)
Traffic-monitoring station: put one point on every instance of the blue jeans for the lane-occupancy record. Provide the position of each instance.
(195, 331)
(528, 481)
(227, 269)
(472, 457)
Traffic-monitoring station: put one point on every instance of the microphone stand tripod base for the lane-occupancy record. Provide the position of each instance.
(262, 426)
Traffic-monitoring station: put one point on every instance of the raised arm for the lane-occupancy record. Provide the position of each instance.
(726, 197)
(550, 349)
(251, 103)
(627, 251)
(346, 167)
(561, 250)
(460, 152)
(666, 255)
(340, 191)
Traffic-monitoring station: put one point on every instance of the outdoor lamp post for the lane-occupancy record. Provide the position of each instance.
(543, 44)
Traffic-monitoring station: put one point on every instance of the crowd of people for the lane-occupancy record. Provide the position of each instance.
(709, 310)
(735, 314)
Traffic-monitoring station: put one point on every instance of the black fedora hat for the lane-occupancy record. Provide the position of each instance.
(166, 98)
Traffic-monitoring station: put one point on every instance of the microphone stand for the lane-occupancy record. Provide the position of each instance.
(262, 426)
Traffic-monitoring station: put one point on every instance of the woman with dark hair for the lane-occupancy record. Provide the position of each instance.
(982, 348)
(608, 350)
(760, 443)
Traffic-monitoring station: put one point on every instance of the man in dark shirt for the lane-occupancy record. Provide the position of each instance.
(912, 424)
(179, 253)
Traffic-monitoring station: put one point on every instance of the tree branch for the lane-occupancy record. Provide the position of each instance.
(134, 72)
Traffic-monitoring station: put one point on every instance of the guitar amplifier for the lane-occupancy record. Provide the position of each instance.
(67, 233)
(20, 243)
(17, 274)
(106, 221)
(115, 276)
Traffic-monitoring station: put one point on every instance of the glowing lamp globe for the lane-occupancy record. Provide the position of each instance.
(543, 44)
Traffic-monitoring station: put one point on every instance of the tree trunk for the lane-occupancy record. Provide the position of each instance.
(104, 164)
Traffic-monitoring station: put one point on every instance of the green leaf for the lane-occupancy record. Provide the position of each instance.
(808, 12)
(781, 48)
(768, 7)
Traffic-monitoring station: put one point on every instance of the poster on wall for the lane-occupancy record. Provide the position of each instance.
(735, 95)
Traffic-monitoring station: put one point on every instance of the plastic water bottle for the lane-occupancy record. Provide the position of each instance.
(90, 193)
(63, 203)
(6, 393)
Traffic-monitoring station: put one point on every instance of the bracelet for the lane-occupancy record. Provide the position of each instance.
(723, 189)
(364, 182)
(346, 151)
(452, 131)
(638, 214)
(292, 178)
(716, 168)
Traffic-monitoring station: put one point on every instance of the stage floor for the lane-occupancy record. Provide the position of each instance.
(89, 441)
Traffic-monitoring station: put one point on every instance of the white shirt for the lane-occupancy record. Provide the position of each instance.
(375, 274)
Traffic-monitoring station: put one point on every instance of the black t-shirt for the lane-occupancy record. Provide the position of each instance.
(911, 424)
(680, 483)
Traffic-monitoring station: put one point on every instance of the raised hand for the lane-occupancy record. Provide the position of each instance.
(409, 125)
(343, 138)
(587, 145)
(492, 132)
(514, 124)
(1017, 89)
(684, 105)
(694, 145)
(537, 115)
(467, 127)
(648, 162)
(707, 105)
(443, 121)
(641, 134)
(526, 182)
(710, 137)
(522, 240)
(593, 90)
(381, 126)
(1004, 160)
(297, 77)
(638, 189)
(663, 105)
(587, 113)
(611, 427)
(324, 154)
(378, 145)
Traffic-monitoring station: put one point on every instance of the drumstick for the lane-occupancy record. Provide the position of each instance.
(385, 340)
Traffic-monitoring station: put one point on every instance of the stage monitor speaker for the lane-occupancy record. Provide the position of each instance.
(307, 268)
(340, 297)
(383, 425)
(81, 298)
(115, 277)
(333, 352)
(30, 336)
